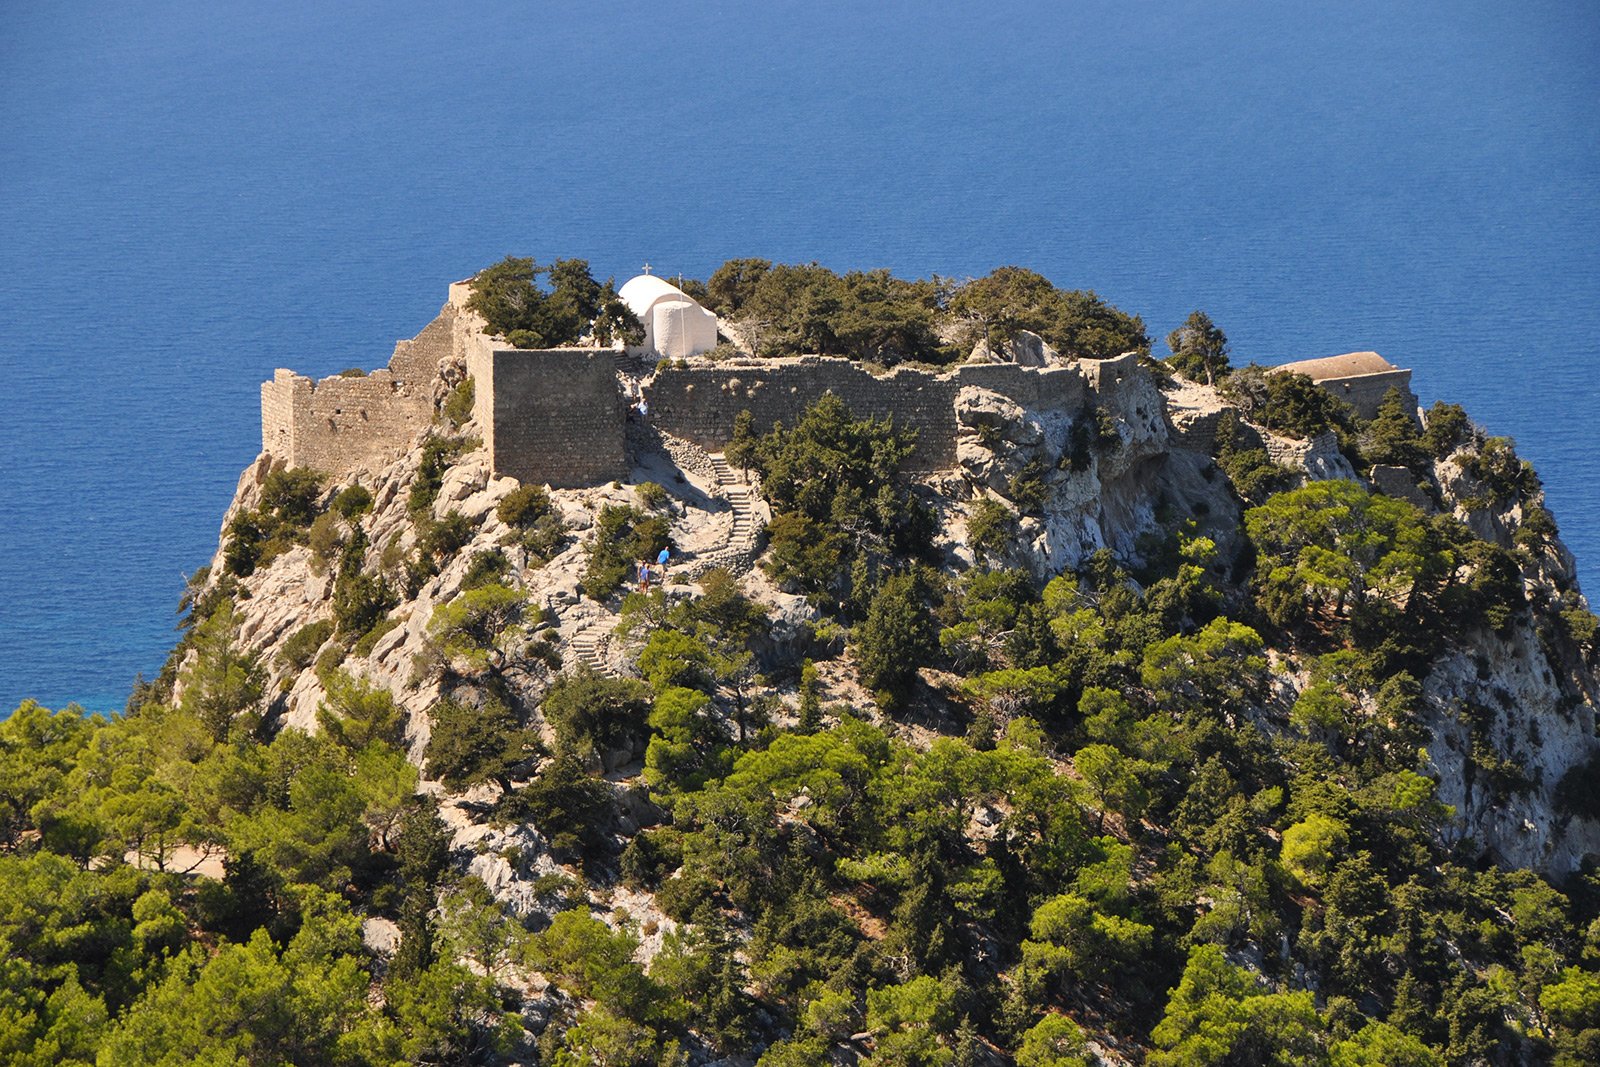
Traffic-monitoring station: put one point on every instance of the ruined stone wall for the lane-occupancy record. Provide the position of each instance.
(1365, 392)
(557, 416)
(342, 425)
(418, 359)
(1196, 430)
(700, 403)
(553, 416)
(278, 423)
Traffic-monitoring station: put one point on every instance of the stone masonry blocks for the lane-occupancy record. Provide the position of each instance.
(556, 415)
(700, 403)
(1365, 392)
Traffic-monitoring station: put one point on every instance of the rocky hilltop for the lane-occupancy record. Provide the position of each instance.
(1092, 709)
(1518, 696)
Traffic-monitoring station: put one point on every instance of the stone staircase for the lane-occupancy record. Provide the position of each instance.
(589, 644)
(739, 553)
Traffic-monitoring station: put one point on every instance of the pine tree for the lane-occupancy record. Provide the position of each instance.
(225, 680)
(1199, 349)
(810, 702)
(1392, 437)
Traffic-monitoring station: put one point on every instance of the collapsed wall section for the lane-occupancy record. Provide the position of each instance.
(552, 416)
(417, 360)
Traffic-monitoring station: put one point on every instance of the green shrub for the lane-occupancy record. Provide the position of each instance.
(623, 535)
(1075, 322)
(650, 856)
(1448, 428)
(539, 527)
(457, 408)
(324, 539)
(1287, 403)
(291, 495)
(359, 599)
(329, 659)
(486, 567)
(353, 502)
(1576, 794)
(467, 627)
(438, 539)
(288, 506)
(545, 539)
(672, 657)
(527, 316)
(592, 714)
(831, 473)
(368, 640)
(524, 506)
(246, 544)
(1496, 464)
(472, 743)
(1252, 472)
(1199, 349)
(898, 636)
(575, 812)
(1027, 488)
(652, 497)
(437, 455)
(302, 645)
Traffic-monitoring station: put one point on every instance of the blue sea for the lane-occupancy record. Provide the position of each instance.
(192, 194)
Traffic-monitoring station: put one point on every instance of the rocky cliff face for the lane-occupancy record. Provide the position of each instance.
(1089, 477)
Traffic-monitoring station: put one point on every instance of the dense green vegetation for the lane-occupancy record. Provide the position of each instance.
(842, 513)
(287, 509)
(957, 817)
(511, 301)
(785, 310)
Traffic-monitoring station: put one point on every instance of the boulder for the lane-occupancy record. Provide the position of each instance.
(993, 416)
(380, 935)
(1400, 482)
(1028, 349)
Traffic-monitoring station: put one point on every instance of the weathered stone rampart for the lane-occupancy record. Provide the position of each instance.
(345, 424)
(558, 416)
(1361, 379)
(1366, 391)
(553, 416)
(342, 425)
(700, 403)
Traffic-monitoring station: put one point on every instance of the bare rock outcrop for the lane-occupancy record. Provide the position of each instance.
(1088, 477)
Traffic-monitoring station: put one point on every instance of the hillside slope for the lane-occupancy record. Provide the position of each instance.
(1211, 725)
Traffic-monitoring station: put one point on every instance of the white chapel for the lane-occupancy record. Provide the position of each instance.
(675, 325)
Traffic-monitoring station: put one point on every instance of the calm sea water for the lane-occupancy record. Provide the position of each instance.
(192, 194)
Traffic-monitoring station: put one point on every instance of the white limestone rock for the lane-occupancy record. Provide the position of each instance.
(1525, 718)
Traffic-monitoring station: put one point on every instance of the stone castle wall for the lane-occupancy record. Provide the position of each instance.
(1365, 392)
(558, 416)
(418, 359)
(700, 403)
(342, 425)
(553, 416)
